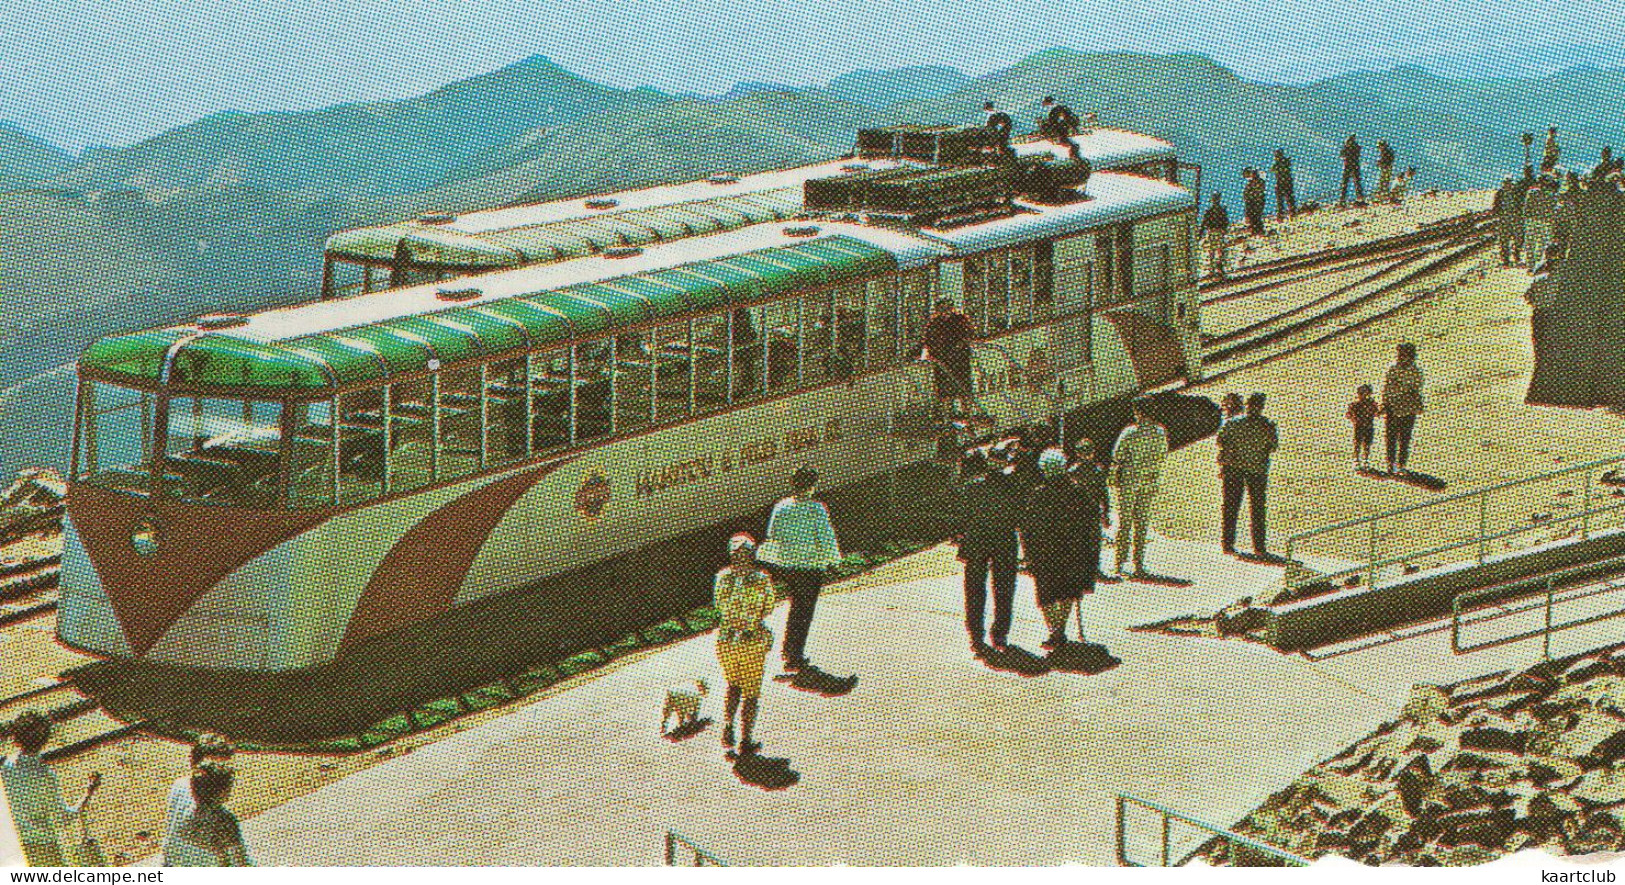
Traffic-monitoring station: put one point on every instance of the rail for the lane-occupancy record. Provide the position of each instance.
(676, 841)
(1466, 603)
(1169, 816)
(1512, 496)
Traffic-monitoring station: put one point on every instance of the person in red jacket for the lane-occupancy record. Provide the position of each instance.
(947, 342)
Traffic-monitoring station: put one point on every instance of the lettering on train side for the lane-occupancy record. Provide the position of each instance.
(744, 454)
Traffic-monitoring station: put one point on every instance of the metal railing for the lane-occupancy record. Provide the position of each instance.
(698, 856)
(1547, 601)
(1169, 816)
(1478, 539)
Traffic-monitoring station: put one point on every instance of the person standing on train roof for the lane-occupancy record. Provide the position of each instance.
(1215, 233)
(1351, 173)
(800, 545)
(1253, 199)
(999, 126)
(1385, 169)
(1551, 153)
(989, 514)
(1136, 467)
(1245, 446)
(35, 795)
(1286, 198)
(1059, 123)
(946, 341)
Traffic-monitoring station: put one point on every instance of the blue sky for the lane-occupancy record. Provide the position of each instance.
(115, 71)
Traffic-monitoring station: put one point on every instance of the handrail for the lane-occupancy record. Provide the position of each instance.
(1463, 601)
(1459, 496)
(1169, 815)
(1371, 563)
(702, 858)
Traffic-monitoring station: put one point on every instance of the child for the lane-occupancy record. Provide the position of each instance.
(1362, 414)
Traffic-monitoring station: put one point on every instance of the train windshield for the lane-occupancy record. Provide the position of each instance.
(212, 450)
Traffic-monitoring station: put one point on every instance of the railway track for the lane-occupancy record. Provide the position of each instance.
(1366, 299)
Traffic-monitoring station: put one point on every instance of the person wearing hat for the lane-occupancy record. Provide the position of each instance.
(989, 515)
(800, 545)
(1136, 465)
(1058, 513)
(743, 596)
(1059, 122)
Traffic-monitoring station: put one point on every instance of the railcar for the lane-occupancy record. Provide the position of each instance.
(272, 491)
(438, 245)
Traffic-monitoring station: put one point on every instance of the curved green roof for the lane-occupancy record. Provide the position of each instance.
(342, 357)
(446, 245)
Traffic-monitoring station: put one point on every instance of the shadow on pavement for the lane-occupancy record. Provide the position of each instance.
(766, 772)
(1015, 659)
(684, 732)
(814, 680)
(1085, 658)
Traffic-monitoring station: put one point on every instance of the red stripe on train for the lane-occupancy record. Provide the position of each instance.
(420, 576)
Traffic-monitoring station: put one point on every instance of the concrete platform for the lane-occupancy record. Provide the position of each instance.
(934, 758)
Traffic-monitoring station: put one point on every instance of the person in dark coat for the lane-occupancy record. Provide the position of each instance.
(1058, 514)
(1385, 169)
(1215, 232)
(1351, 172)
(999, 127)
(947, 340)
(1245, 446)
(990, 506)
(1092, 478)
(1059, 122)
(1286, 197)
(1253, 199)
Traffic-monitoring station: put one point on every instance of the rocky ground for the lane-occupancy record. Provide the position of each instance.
(1466, 774)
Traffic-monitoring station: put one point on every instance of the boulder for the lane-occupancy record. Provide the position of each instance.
(1586, 668)
(1608, 751)
(1488, 828)
(1426, 704)
(1498, 739)
(1415, 781)
(1552, 771)
(1603, 787)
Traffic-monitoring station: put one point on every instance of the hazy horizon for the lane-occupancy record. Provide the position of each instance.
(117, 72)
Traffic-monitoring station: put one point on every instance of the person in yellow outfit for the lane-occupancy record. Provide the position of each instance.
(1136, 463)
(744, 597)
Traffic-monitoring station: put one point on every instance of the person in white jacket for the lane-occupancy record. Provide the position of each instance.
(800, 546)
(35, 796)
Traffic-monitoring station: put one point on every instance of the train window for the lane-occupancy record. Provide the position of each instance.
(748, 344)
(361, 445)
(1021, 288)
(461, 433)
(975, 303)
(850, 321)
(592, 382)
(549, 401)
(710, 362)
(634, 375)
(674, 387)
(1043, 281)
(223, 451)
(1105, 281)
(883, 311)
(115, 437)
(915, 294)
(780, 327)
(310, 455)
(505, 411)
(1124, 236)
(997, 269)
(411, 434)
(1074, 277)
(817, 336)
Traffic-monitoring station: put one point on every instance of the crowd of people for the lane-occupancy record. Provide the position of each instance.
(1536, 214)
(1215, 229)
(199, 830)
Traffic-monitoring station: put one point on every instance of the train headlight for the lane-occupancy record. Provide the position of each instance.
(144, 539)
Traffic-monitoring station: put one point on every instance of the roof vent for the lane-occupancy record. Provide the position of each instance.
(460, 293)
(212, 321)
(603, 203)
(723, 178)
(622, 251)
(436, 218)
(855, 167)
(802, 230)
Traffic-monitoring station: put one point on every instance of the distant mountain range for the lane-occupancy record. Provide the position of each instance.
(230, 211)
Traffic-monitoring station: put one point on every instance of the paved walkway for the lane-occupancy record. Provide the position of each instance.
(934, 758)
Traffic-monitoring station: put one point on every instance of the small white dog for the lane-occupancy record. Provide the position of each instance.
(684, 704)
